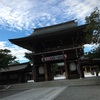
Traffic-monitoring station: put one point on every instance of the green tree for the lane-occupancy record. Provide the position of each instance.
(93, 30)
(93, 27)
(6, 58)
(95, 53)
(54, 68)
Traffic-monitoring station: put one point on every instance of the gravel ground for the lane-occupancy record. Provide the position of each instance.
(80, 93)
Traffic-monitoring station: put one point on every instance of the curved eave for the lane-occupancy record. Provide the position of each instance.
(25, 41)
(22, 42)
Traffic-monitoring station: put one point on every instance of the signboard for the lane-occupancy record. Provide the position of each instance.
(52, 58)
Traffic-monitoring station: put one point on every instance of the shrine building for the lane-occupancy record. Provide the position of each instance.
(61, 43)
(18, 73)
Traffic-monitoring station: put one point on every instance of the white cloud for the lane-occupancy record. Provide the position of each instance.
(27, 14)
(2, 45)
(15, 51)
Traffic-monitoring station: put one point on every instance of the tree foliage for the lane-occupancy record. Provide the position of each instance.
(54, 68)
(93, 30)
(95, 53)
(93, 27)
(6, 58)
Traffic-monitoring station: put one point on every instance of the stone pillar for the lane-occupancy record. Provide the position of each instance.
(66, 69)
(46, 71)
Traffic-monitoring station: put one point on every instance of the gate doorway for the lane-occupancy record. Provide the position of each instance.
(58, 70)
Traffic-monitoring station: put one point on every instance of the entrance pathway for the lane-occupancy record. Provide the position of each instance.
(54, 90)
(80, 93)
(37, 94)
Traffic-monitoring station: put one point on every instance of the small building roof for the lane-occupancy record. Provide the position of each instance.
(15, 67)
(90, 62)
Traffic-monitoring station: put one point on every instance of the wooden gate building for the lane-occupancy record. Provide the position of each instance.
(53, 44)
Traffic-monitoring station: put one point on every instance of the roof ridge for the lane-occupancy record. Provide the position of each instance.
(72, 21)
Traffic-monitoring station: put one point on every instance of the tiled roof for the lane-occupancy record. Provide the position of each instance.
(50, 29)
(54, 28)
(67, 29)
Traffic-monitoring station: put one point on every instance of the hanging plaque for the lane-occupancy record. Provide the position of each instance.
(51, 58)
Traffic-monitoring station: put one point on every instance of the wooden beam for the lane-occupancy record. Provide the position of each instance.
(80, 69)
(54, 51)
(46, 71)
(66, 69)
(34, 73)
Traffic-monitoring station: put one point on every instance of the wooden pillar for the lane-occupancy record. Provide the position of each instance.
(19, 77)
(34, 73)
(49, 73)
(66, 69)
(46, 71)
(32, 76)
(8, 79)
(80, 69)
(97, 70)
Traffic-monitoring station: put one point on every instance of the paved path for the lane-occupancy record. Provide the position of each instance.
(80, 93)
(37, 94)
(77, 89)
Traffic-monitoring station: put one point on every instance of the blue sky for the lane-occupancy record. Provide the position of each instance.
(18, 18)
